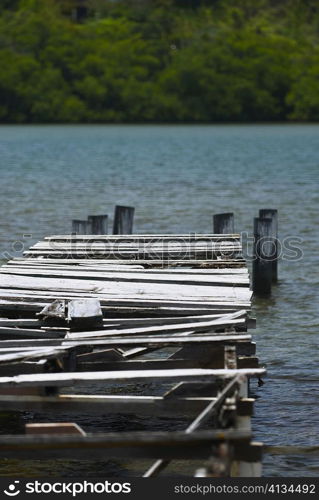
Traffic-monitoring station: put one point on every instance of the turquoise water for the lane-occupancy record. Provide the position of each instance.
(177, 177)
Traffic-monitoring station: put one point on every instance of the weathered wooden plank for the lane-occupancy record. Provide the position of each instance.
(155, 341)
(203, 326)
(191, 279)
(173, 258)
(100, 265)
(16, 308)
(145, 237)
(28, 333)
(126, 289)
(135, 444)
(151, 321)
(95, 404)
(150, 247)
(226, 263)
(21, 323)
(10, 295)
(31, 354)
(139, 245)
(71, 378)
(166, 262)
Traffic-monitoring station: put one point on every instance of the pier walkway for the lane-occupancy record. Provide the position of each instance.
(93, 313)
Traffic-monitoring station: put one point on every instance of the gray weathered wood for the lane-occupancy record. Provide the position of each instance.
(98, 224)
(268, 213)
(67, 379)
(123, 220)
(223, 223)
(123, 288)
(89, 404)
(81, 226)
(132, 444)
(151, 340)
(232, 262)
(146, 237)
(28, 333)
(145, 277)
(94, 404)
(262, 265)
(152, 298)
(20, 322)
(209, 326)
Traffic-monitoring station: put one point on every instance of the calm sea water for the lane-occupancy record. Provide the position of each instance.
(177, 177)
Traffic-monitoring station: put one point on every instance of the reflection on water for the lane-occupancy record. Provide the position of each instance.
(177, 177)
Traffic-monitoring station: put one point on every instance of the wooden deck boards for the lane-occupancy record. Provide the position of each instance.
(187, 296)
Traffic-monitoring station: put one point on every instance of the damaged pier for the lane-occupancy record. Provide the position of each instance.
(170, 312)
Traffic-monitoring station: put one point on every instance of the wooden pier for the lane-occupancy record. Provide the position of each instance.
(170, 312)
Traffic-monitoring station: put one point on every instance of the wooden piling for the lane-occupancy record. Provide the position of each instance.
(98, 224)
(123, 220)
(223, 223)
(81, 226)
(269, 213)
(262, 264)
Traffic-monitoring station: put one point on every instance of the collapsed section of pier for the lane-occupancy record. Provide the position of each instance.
(168, 312)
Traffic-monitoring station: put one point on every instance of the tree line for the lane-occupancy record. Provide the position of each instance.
(143, 61)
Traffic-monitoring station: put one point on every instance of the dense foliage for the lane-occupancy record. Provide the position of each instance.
(159, 61)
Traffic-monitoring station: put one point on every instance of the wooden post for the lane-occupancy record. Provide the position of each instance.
(224, 223)
(269, 213)
(98, 224)
(123, 220)
(230, 357)
(262, 264)
(81, 226)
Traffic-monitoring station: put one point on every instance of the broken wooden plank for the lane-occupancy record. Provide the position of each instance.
(101, 275)
(203, 326)
(71, 378)
(155, 341)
